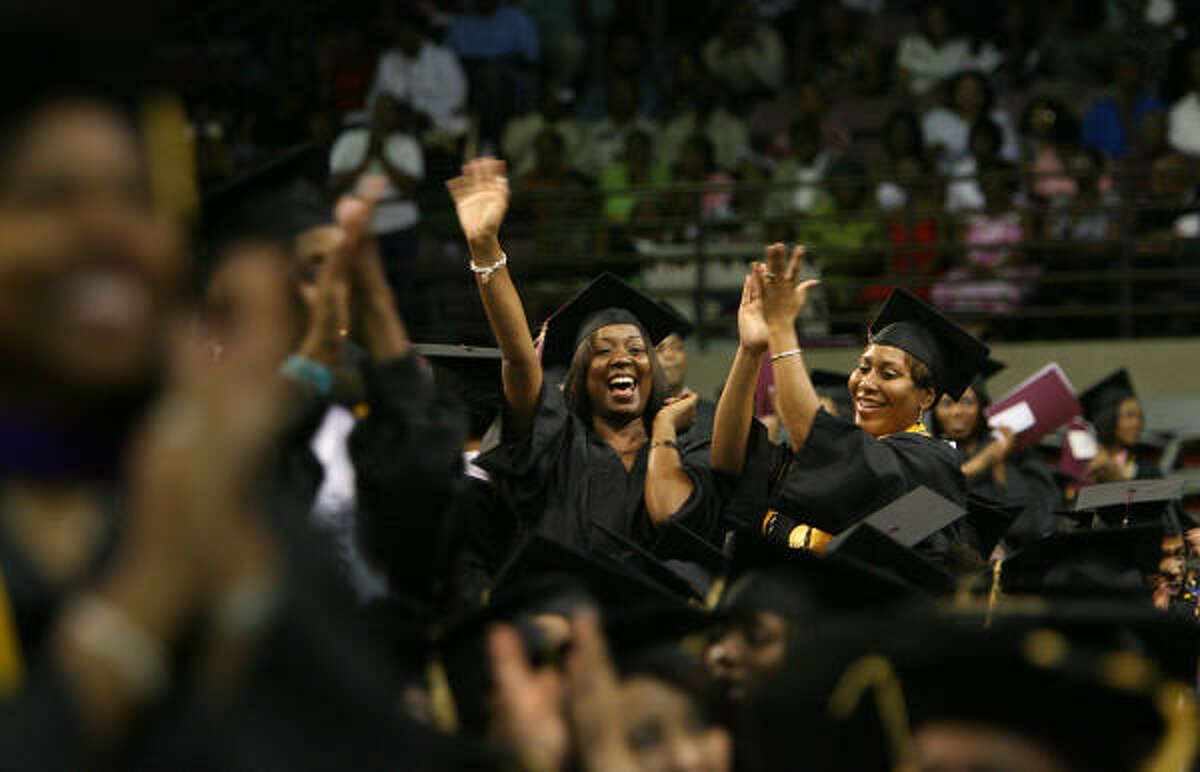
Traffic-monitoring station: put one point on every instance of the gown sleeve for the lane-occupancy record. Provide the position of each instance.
(407, 456)
(746, 497)
(699, 518)
(843, 474)
(524, 465)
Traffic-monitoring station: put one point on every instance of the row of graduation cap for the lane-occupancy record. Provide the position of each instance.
(872, 564)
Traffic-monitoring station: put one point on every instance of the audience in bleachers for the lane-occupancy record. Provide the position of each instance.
(780, 91)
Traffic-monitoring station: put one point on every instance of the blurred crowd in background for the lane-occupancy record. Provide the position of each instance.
(995, 156)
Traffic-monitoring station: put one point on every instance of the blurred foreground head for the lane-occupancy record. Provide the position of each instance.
(87, 267)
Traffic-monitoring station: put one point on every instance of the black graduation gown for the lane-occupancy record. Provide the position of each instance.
(561, 478)
(841, 475)
(1029, 485)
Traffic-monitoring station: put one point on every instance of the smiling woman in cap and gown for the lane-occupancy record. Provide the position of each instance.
(834, 473)
(605, 449)
(1114, 409)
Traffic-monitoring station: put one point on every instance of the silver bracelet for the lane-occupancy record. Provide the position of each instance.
(784, 354)
(484, 272)
(104, 630)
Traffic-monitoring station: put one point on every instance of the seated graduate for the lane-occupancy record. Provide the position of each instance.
(992, 470)
(1114, 409)
(602, 449)
(835, 472)
(672, 355)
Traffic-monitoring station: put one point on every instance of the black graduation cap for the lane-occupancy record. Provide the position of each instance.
(1106, 394)
(471, 374)
(546, 577)
(800, 584)
(277, 200)
(990, 368)
(954, 356)
(829, 381)
(607, 300)
(679, 323)
(1102, 561)
(912, 518)
(867, 544)
(1129, 501)
(861, 693)
(991, 519)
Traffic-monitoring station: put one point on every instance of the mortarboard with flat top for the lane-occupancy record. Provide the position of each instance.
(865, 694)
(867, 544)
(1101, 561)
(800, 584)
(472, 375)
(1106, 394)
(1129, 501)
(991, 519)
(912, 518)
(953, 355)
(833, 385)
(990, 368)
(828, 381)
(606, 300)
(276, 200)
(679, 323)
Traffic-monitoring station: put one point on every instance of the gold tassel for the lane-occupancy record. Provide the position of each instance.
(441, 698)
(12, 665)
(876, 673)
(993, 593)
(1177, 749)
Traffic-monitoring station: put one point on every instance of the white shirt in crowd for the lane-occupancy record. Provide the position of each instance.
(433, 82)
(334, 508)
(403, 153)
(929, 65)
(1183, 125)
(728, 134)
(942, 126)
(604, 141)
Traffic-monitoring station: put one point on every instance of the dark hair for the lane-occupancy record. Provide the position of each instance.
(980, 430)
(919, 372)
(986, 125)
(575, 387)
(1066, 127)
(909, 118)
(1105, 419)
(989, 94)
(94, 58)
(704, 147)
(681, 670)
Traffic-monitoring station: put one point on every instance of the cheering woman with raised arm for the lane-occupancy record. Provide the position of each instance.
(604, 450)
(836, 472)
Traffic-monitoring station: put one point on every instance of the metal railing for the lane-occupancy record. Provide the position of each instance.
(1124, 285)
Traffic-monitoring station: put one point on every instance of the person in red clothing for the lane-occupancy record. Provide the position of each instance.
(913, 232)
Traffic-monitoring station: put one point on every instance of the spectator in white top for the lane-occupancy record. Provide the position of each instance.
(604, 140)
(519, 141)
(935, 53)
(746, 55)
(1183, 122)
(385, 147)
(426, 76)
(963, 191)
(706, 115)
(947, 129)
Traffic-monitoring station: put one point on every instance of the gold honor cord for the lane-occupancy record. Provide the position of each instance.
(875, 672)
(1177, 749)
(12, 666)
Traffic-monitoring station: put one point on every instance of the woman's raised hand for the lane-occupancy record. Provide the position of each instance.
(782, 297)
(752, 325)
(480, 198)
